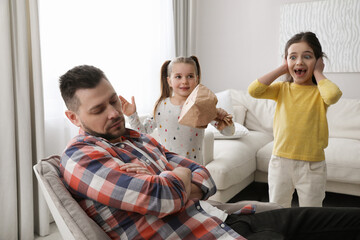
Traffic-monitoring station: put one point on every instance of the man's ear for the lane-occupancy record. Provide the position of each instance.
(73, 117)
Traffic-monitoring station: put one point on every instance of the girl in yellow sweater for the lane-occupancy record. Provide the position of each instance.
(300, 124)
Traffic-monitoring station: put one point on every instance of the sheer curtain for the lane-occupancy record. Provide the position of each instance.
(128, 40)
(21, 125)
(184, 25)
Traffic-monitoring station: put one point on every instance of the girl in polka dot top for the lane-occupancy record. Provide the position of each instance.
(179, 77)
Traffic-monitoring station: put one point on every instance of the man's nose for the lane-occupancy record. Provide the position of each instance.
(113, 112)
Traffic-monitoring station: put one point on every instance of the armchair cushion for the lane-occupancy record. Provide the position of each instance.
(71, 220)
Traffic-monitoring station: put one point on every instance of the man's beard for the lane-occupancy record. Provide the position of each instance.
(107, 136)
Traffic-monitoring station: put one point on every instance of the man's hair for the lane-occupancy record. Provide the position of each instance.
(79, 77)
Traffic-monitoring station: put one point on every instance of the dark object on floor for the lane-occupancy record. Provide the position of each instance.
(259, 192)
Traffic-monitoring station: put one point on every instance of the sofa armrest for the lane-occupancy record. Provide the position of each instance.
(208, 147)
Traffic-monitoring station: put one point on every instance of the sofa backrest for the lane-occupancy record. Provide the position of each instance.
(344, 119)
(260, 112)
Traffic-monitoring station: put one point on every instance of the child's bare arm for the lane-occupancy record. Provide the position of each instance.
(268, 78)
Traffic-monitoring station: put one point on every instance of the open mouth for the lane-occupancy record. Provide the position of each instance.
(300, 72)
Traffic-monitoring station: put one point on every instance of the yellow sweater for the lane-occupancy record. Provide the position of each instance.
(300, 124)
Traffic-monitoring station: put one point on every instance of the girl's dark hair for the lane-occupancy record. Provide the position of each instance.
(311, 39)
(80, 77)
(165, 72)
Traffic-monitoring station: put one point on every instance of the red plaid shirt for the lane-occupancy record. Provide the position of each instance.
(139, 206)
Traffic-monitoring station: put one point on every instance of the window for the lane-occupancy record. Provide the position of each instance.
(128, 40)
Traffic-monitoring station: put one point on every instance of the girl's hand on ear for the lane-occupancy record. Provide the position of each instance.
(128, 108)
(318, 70)
(319, 66)
(268, 78)
(284, 67)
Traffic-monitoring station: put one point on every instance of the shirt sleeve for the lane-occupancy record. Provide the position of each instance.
(148, 125)
(92, 172)
(200, 175)
(329, 91)
(259, 90)
(227, 131)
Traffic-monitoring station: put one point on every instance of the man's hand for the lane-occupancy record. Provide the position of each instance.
(128, 108)
(185, 175)
(196, 192)
(135, 168)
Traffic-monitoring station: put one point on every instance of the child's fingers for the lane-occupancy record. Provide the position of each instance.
(122, 99)
(320, 64)
(221, 113)
(133, 100)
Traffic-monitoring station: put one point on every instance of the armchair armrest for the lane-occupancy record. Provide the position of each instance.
(208, 147)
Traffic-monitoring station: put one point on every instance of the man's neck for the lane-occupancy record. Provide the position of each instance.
(116, 140)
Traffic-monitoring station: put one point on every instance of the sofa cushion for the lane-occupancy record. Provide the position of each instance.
(343, 160)
(234, 160)
(344, 119)
(263, 157)
(240, 114)
(260, 112)
(240, 131)
(224, 101)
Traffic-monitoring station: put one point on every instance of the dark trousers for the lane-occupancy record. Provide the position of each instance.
(305, 223)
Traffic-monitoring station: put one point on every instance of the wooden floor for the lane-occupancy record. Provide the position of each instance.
(259, 192)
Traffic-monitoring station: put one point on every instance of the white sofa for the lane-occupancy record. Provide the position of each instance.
(235, 163)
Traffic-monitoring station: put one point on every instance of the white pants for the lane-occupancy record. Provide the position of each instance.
(308, 178)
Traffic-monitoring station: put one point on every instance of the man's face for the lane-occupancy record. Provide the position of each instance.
(99, 112)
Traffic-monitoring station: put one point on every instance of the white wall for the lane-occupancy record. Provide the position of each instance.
(237, 41)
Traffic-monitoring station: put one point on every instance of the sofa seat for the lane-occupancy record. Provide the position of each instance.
(234, 160)
(347, 170)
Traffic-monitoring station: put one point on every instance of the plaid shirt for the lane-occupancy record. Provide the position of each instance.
(139, 206)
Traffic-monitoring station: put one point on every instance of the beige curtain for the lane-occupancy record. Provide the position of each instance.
(185, 28)
(22, 130)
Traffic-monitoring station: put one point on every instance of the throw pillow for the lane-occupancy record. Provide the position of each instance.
(240, 131)
(224, 101)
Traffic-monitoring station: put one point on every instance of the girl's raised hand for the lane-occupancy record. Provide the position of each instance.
(318, 70)
(319, 65)
(268, 78)
(128, 108)
(284, 67)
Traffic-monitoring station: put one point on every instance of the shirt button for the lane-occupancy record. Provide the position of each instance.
(122, 145)
(198, 207)
(222, 225)
(147, 161)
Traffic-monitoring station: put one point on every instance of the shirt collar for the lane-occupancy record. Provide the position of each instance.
(128, 134)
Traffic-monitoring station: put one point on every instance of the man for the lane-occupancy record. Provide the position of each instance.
(135, 189)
